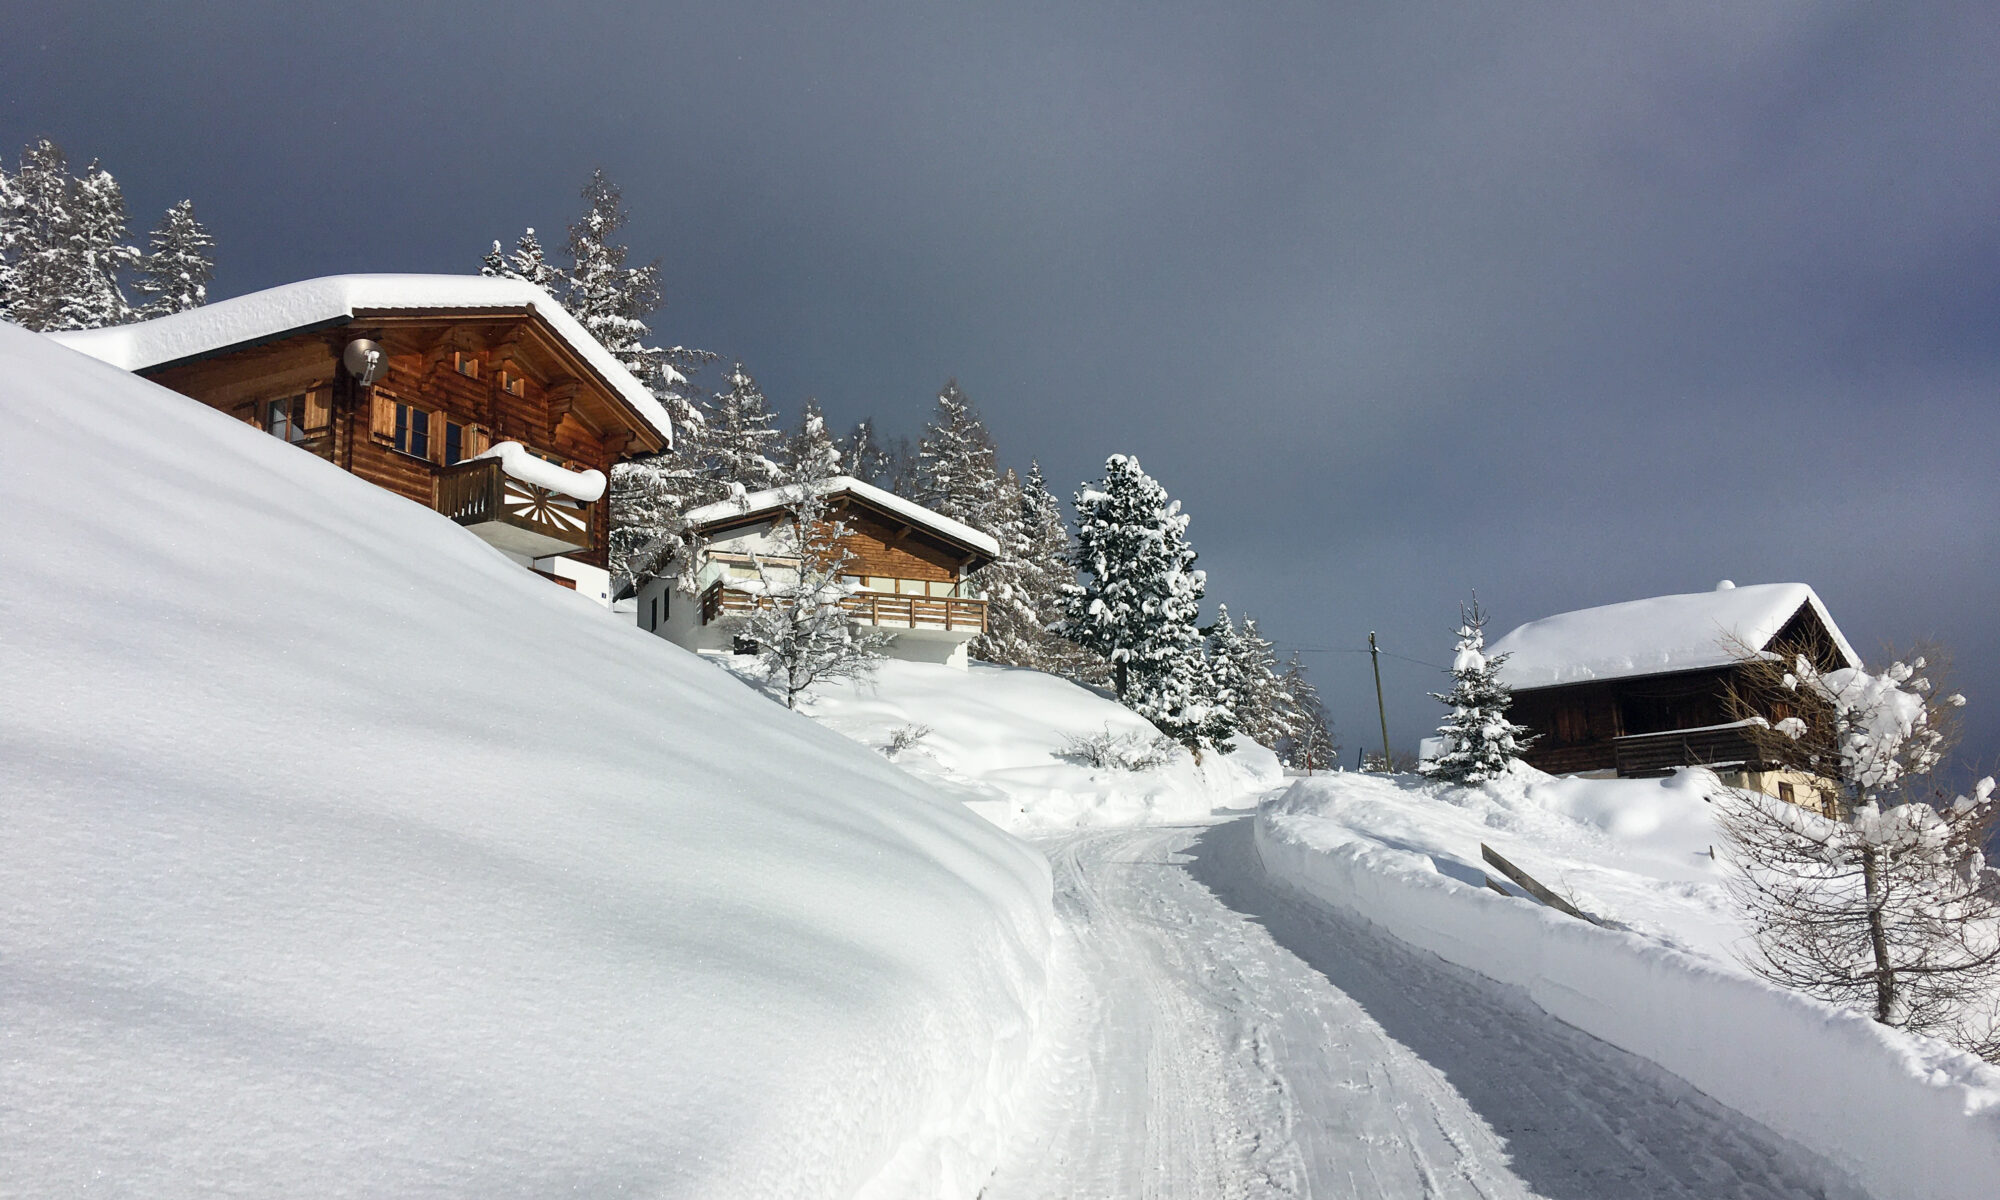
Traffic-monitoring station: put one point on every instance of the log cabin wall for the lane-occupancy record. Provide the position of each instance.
(890, 551)
(1576, 723)
(486, 377)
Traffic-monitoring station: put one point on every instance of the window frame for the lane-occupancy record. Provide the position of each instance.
(402, 434)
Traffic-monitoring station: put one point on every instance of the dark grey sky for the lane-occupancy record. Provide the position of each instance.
(1566, 303)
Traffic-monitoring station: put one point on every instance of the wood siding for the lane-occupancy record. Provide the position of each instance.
(892, 552)
(520, 389)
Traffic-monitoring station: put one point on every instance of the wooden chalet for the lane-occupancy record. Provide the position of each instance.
(1639, 688)
(909, 571)
(480, 398)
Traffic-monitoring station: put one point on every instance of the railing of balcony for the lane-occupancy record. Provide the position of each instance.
(478, 491)
(874, 608)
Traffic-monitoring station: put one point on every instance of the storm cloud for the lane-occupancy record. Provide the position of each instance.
(1570, 303)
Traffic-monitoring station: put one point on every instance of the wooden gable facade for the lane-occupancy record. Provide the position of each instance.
(455, 383)
(1643, 725)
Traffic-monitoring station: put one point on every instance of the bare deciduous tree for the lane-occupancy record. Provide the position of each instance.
(1884, 903)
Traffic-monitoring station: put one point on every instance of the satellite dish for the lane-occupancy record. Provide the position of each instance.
(365, 360)
(1726, 585)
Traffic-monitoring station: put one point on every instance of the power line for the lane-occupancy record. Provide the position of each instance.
(1345, 650)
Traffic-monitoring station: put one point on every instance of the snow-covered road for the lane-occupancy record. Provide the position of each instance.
(1216, 1036)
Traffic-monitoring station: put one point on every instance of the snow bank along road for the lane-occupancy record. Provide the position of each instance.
(1217, 1035)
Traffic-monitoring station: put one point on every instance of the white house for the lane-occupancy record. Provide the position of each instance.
(908, 569)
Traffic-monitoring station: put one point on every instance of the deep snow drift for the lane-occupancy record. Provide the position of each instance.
(343, 856)
(1905, 1116)
(999, 740)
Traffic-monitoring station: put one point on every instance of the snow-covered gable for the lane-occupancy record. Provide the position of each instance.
(316, 303)
(772, 499)
(1650, 637)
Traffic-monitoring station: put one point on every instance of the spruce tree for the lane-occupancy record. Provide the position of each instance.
(1014, 633)
(1140, 596)
(102, 253)
(10, 237)
(810, 452)
(611, 299)
(864, 455)
(1306, 742)
(956, 473)
(41, 245)
(175, 273)
(1479, 740)
(1263, 705)
(742, 443)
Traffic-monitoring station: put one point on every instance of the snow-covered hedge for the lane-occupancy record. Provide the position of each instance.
(344, 855)
(1905, 1116)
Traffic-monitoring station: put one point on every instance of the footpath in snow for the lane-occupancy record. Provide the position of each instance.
(1215, 1035)
(1903, 1115)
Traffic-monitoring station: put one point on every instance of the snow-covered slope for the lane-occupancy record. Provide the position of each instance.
(998, 739)
(1905, 1116)
(345, 857)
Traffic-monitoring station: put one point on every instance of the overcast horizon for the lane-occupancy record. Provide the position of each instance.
(1571, 307)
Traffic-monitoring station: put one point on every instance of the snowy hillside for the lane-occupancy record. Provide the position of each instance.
(1000, 739)
(344, 856)
(1659, 979)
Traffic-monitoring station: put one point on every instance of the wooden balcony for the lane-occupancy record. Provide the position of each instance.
(510, 514)
(1734, 744)
(886, 609)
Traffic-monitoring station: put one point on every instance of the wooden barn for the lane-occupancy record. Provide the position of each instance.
(1639, 688)
(909, 571)
(479, 398)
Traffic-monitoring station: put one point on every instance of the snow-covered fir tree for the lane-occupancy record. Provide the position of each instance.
(742, 443)
(799, 629)
(1140, 596)
(43, 238)
(528, 262)
(1306, 742)
(175, 272)
(102, 253)
(810, 452)
(864, 455)
(610, 299)
(1479, 740)
(956, 472)
(1014, 633)
(10, 236)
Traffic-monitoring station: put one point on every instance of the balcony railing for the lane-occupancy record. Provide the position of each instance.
(511, 514)
(872, 608)
(1734, 744)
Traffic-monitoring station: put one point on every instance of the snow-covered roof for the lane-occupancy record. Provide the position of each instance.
(772, 499)
(1651, 637)
(274, 312)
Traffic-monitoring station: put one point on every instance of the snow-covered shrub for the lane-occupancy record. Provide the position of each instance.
(905, 738)
(1129, 751)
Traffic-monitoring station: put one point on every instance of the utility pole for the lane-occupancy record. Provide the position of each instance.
(1375, 657)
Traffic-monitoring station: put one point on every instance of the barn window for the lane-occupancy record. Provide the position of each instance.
(413, 431)
(1571, 726)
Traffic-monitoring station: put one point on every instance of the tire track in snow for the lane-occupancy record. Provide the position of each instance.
(1213, 1036)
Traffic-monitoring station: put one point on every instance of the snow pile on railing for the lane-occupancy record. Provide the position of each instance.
(342, 854)
(518, 463)
(1905, 1116)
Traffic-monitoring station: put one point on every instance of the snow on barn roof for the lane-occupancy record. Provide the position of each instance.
(1651, 637)
(335, 299)
(772, 499)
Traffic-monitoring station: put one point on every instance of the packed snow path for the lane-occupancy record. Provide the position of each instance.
(1218, 1037)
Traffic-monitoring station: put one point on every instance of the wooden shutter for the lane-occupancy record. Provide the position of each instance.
(475, 441)
(247, 413)
(319, 411)
(382, 418)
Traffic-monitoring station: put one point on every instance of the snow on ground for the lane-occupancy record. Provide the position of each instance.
(345, 857)
(1404, 855)
(998, 739)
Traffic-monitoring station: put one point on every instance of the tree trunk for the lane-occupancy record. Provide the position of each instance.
(1878, 938)
(1123, 677)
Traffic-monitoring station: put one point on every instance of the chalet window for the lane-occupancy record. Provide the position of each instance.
(653, 613)
(454, 443)
(413, 431)
(466, 364)
(285, 418)
(1786, 793)
(511, 384)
